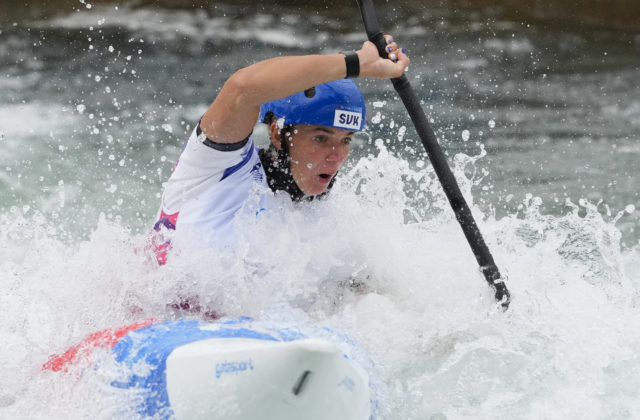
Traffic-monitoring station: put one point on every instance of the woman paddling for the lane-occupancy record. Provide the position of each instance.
(312, 109)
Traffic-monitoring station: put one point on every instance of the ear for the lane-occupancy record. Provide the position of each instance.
(274, 132)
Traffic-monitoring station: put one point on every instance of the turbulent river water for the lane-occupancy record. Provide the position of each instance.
(541, 124)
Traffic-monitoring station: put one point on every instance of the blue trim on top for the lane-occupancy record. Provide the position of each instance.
(233, 169)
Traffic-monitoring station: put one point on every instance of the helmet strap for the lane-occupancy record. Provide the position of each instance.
(277, 166)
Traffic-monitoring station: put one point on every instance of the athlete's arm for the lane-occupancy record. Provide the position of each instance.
(234, 112)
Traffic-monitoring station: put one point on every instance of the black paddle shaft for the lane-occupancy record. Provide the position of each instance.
(430, 142)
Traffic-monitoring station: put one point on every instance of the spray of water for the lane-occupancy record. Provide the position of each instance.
(369, 263)
(382, 260)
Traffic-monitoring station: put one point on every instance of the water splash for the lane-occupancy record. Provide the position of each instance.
(383, 260)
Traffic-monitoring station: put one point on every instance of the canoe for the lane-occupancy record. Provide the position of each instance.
(235, 369)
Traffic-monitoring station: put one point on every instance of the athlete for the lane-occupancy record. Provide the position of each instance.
(312, 109)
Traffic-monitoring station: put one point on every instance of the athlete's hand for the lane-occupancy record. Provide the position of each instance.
(372, 65)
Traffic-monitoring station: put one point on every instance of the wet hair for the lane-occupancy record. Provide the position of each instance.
(285, 132)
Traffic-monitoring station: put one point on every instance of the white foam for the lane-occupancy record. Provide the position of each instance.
(440, 345)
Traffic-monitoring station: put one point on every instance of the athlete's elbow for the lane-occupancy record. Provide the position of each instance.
(239, 87)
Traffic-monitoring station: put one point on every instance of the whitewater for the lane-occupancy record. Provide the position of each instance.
(95, 107)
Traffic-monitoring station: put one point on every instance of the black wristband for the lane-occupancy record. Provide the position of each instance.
(353, 64)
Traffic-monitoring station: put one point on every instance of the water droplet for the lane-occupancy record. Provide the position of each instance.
(111, 49)
(80, 108)
(465, 135)
(376, 118)
(401, 132)
(492, 124)
(97, 78)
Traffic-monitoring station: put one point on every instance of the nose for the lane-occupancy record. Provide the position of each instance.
(338, 153)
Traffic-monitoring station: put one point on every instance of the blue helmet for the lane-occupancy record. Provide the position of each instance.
(337, 104)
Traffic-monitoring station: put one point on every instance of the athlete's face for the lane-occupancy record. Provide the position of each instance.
(317, 152)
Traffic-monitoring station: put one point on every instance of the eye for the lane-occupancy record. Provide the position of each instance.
(320, 139)
(347, 140)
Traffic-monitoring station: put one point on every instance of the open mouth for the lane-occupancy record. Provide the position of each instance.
(325, 178)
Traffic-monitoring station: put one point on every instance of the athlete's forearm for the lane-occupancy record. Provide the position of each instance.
(233, 114)
(283, 76)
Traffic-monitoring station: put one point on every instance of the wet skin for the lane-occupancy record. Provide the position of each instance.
(317, 152)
